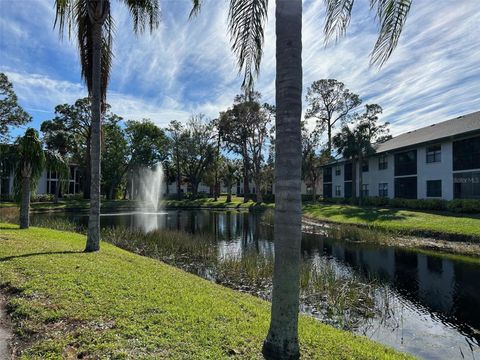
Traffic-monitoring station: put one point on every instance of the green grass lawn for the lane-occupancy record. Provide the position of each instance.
(115, 304)
(405, 221)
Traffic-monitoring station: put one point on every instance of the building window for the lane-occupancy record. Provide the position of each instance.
(365, 166)
(383, 189)
(466, 185)
(327, 174)
(347, 186)
(338, 170)
(406, 163)
(338, 191)
(434, 188)
(327, 190)
(406, 187)
(434, 154)
(364, 189)
(348, 172)
(466, 154)
(382, 162)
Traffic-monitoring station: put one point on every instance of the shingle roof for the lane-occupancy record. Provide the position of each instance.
(453, 127)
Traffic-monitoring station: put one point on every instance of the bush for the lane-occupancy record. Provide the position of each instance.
(375, 201)
(268, 198)
(6, 197)
(42, 198)
(464, 206)
(77, 196)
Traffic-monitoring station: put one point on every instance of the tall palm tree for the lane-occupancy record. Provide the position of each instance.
(93, 24)
(246, 23)
(30, 162)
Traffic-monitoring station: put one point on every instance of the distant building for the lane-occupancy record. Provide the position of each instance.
(47, 183)
(440, 161)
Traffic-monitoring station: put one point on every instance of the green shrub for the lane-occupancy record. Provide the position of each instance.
(464, 206)
(42, 198)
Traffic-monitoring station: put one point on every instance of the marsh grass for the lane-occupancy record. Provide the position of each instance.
(343, 300)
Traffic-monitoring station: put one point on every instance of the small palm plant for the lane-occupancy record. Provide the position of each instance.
(30, 162)
(93, 23)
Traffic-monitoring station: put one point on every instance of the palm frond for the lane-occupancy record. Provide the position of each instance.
(392, 15)
(196, 6)
(56, 162)
(30, 160)
(144, 12)
(84, 25)
(246, 21)
(63, 16)
(338, 14)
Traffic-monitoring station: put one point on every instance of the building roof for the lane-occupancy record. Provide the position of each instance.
(454, 127)
(461, 125)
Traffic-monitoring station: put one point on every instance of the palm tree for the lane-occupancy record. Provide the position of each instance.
(348, 144)
(246, 22)
(92, 20)
(30, 162)
(361, 141)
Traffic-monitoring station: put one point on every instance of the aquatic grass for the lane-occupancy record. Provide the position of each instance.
(344, 300)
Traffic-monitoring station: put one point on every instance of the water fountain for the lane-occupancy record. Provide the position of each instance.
(150, 192)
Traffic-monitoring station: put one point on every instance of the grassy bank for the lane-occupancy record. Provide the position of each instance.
(116, 304)
(221, 203)
(449, 226)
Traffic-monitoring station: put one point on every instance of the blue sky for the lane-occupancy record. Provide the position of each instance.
(187, 67)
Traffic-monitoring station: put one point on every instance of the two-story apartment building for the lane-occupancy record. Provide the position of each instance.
(439, 161)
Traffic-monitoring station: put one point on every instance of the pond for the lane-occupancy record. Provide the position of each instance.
(431, 303)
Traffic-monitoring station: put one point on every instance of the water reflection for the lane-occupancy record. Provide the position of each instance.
(433, 305)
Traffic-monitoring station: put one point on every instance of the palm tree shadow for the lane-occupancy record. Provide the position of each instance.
(8, 258)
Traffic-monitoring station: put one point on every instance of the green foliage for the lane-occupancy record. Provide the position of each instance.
(30, 161)
(56, 162)
(114, 157)
(147, 143)
(464, 206)
(11, 113)
(330, 103)
(196, 149)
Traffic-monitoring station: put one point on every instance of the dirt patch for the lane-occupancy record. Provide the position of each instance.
(5, 332)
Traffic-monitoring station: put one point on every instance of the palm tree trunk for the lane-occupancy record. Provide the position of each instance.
(258, 191)
(354, 180)
(179, 189)
(282, 338)
(57, 190)
(88, 173)
(25, 204)
(314, 191)
(93, 236)
(229, 194)
(360, 179)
